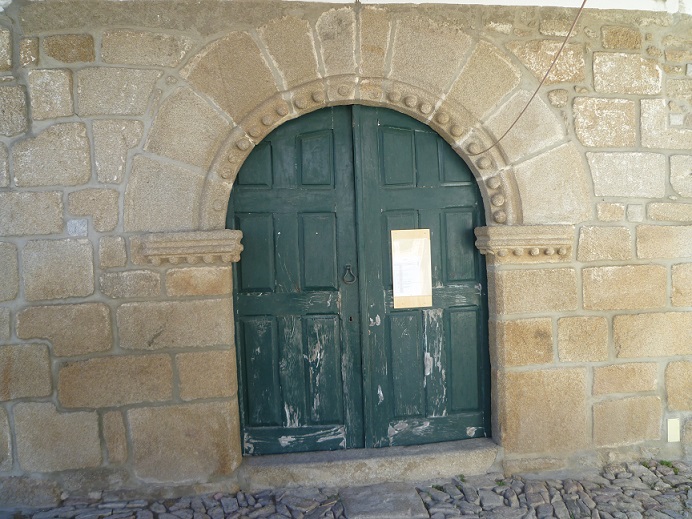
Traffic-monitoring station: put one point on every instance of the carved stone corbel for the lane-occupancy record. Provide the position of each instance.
(526, 243)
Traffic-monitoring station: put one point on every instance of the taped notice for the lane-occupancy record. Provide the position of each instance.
(411, 271)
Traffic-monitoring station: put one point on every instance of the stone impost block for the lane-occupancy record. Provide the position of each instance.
(679, 385)
(187, 247)
(188, 129)
(114, 91)
(112, 252)
(233, 73)
(524, 342)
(28, 213)
(209, 374)
(58, 156)
(535, 290)
(50, 93)
(655, 129)
(537, 56)
(24, 371)
(680, 177)
(115, 436)
(621, 38)
(610, 212)
(200, 281)
(5, 443)
(626, 421)
(28, 51)
(682, 284)
(131, 283)
(9, 272)
(619, 73)
(150, 207)
(554, 187)
(69, 48)
(653, 335)
(72, 329)
(129, 47)
(49, 441)
(605, 123)
(5, 324)
(670, 212)
(628, 174)
(55, 269)
(582, 339)
(183, 324)
(625, 378)
(112, 140)
(191, 442)
(4, 166)
(13, 110)
(661, 241)
(597, 243)
(545, 411)
(5, 49)
(116, 381)
(100, 204)
(626, 287)
(374, 37)
(336, 30)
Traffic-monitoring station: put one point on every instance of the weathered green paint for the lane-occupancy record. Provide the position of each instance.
(325, 361)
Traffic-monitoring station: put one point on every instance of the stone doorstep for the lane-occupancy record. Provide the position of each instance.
(369, 466)
(384, 501)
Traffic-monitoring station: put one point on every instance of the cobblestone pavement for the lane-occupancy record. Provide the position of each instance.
(656, 490)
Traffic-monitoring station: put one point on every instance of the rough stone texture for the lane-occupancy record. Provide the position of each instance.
(187, 442)
(55, 269)
(535, 290)
(5, 443)
(679, 88)
(69, 48)
(20, 491)
(115, 436)
(50, 93)
(605, 123)
(210, 374)
(24, 371)
(289, 42)
(144, 48)
(678, 380)
(537, 56)
(653, 335)
(100, 204)
(554, 187)
(28, 52)
(112, 140)
(680, 177)
(13, 118)
(232, 64)
(150, 207)
(5, 331)
(112, 252)
(626, 287)
(184, 324)
(72, 329)
(635, 213)
(638, 175)
(618, 37)
(626, 74)
(625, 378)
(598, 243)
(544, 411)
(627, 420)
(655, 130)
(659, 241)
(114, 91)
(132, 283)
(9, 271)
(682, 284)
(336, 30)
(670, 212)
(58, 156)
(4, 166)
(188, 129)
(115, 381)
(49, 441)
(582, 339)
(524, 342)
(5, 49)
(209, 281)
(24, 214)
(374, 37)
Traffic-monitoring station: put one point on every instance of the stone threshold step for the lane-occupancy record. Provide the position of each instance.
(359, 467)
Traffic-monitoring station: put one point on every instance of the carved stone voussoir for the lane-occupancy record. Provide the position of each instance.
(208, 247)
(526, 243)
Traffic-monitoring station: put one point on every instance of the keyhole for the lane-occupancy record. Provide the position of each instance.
(350, 319)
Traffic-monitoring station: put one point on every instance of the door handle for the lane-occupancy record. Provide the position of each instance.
(349, 277)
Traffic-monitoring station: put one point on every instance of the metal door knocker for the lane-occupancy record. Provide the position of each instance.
(349, 277)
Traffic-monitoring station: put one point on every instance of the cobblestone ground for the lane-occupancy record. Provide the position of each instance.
(657, 490)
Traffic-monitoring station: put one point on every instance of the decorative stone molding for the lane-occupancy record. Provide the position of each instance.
(208, 247)
(526, 243)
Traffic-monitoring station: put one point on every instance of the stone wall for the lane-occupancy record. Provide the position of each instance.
(123, 125)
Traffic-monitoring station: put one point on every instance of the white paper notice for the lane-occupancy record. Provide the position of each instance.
(411, 270)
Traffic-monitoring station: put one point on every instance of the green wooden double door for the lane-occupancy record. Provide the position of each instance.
(325, 360)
